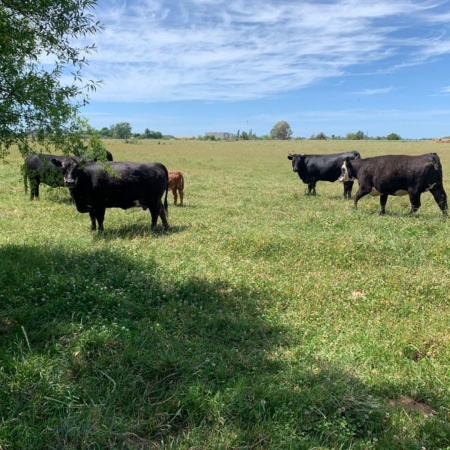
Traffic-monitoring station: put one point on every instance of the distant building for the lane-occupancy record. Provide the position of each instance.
(219, 135)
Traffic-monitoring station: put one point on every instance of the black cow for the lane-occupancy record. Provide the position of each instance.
(397, 175)
(95, 187)
(39, 168)
(314, 168)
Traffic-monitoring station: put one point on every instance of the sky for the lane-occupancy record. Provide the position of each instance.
(187, 67)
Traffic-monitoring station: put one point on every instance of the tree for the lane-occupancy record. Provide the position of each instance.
(153, 134)
(37, 104)
(105, 132)
(121, 130)
(359, 135)
(281, 130)
(319, 137)
(393, 137)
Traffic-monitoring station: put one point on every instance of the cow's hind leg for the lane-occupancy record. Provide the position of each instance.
(181, 197)
(440, 197)
(383, 201)
(156, 211)
(163, 215)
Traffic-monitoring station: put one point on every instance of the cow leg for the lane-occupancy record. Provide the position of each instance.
(440, 197)
(415, 202)
(163, 215)
(312, 187)
(361, 193)
(100, 214)
(175, 196)
(181, 198)
(34, 189)
(157, 210)
(154, 213)
(383, 201)
(93, 222)
(348, 185)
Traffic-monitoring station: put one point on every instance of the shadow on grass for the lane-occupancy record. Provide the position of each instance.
(101, 350)
(137, 229)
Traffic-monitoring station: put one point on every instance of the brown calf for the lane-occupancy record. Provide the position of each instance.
(176, 183)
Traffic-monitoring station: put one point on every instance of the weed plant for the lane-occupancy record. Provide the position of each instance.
(264, 319)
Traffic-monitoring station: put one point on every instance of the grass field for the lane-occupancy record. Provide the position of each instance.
(264, 319)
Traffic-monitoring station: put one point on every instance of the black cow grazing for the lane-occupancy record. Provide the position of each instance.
(397, 175)
(95, 187)
(39, 168)
(314, 168)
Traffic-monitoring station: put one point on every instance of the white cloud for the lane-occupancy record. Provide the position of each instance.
(155, 50)
(387, 90)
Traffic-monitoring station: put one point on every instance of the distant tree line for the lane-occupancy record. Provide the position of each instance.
(359, 135)
(280, 131)
(123, 130)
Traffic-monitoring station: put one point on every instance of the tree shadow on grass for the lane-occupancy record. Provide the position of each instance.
(103, 350)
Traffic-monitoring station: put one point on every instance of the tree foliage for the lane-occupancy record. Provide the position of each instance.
(41, 65)
(149, 134)
(281, 130)
(121, 130)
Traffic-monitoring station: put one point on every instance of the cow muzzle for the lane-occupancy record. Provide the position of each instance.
(70, 183)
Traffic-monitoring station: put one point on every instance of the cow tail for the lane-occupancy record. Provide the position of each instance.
(182, 182)
(166, 205)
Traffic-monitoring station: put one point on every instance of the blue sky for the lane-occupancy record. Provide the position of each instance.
(191, 66)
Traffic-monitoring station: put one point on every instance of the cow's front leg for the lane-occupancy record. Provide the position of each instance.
(348, 186)
(362, 191)
(383, 201)
(312, 187)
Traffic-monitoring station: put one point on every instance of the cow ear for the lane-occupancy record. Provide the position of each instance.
(56, 162)
(290, 156)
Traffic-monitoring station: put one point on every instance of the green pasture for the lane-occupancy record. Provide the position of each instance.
(264, 319)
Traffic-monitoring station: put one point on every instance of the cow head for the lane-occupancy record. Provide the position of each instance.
(297, 161)
(347, 171)
(71, 170)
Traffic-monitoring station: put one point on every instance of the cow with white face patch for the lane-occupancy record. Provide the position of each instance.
(314, 168)
(397, 175)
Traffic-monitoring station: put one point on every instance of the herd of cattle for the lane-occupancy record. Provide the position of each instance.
(96, 186)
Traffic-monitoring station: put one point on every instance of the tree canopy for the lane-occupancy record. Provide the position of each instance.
(41, 65)
(281, 130)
